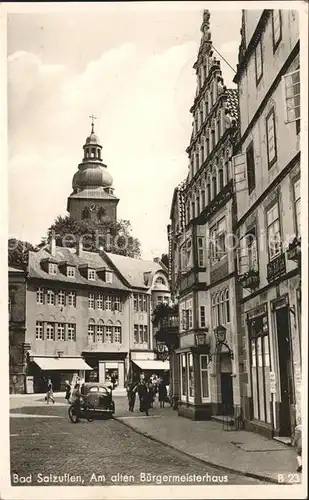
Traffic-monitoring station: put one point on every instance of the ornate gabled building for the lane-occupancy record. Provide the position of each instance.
(202, 266)
(93, 195)
(267, 166)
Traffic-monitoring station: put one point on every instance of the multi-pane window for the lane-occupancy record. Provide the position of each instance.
(291, 82)
(60, 331)
(200, 252)
(117, 334)
(50, 331)
(108, 335)
(159, 299)
(144, 303)
(71, 332)
(271, 138)
(136, 334)
(190, 313)
(202, 317)
(71, 299)
(52, 268)
(135, 303)
(277, 28)
(99, 301)
(204, 361)
(260, 368)
(190, 376)
(40, 296)
(50, 296)
(108, 303)
(296, 194)
(183, 379)
(39, 330)
(141, 334)
(91, 332)
(61, 298)
(273, 232)
(108, 277)
(145, 338)
(250, 167)
(258, 62)
(203, 199)
(91, 274)
(100, 332)
(140, 303)
(220, 307)
(117, 304)
(217, 241)
(221, 179)
(71, 272)
(91, 300)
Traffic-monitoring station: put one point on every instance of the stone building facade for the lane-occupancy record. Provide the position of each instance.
(267, 183)
(83, 312)
(202, 265)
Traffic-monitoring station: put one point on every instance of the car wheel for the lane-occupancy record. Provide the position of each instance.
(73, 415)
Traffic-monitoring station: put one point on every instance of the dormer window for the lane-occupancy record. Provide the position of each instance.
(71, 272)
(91, 274)
(108, 277)
(52, 268)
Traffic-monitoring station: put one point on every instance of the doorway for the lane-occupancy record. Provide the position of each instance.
(287, 392)
(226, 384)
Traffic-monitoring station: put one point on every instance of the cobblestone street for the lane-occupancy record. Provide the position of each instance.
(44, 443)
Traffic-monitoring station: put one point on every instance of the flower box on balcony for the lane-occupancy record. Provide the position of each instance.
(294, 250)
(251, 279)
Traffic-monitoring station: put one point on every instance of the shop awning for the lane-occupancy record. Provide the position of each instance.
(152, 364)
(61, 363)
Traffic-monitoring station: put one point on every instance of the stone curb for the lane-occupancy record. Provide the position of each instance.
(212, 464)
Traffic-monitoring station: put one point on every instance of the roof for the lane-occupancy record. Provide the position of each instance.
(93, 193)
(15, 270)
(94, 260)
(232, 103)
(133, 270)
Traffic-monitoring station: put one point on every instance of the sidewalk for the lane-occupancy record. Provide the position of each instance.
(238, 451)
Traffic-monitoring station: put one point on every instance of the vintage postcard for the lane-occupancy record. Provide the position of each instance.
(154, 233)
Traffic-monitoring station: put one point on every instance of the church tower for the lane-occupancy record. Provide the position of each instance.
(92, 197)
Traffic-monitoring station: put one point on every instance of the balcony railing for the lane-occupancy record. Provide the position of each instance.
(250, 279)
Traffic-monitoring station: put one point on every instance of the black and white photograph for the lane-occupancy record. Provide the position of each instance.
(154, 221)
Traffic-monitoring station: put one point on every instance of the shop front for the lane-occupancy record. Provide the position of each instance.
(58, 369)
(195, 390)
(107, 367)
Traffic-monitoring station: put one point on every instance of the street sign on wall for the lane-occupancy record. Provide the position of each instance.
(272, 382)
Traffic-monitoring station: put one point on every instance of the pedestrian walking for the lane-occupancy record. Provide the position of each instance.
(67, 391)
(132, 390)
(297, 443)
(162, 393)
(144, 397)
(50, 393)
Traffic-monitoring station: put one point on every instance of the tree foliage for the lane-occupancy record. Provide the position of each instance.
(18, 253)
(162, 311)
(114, 237)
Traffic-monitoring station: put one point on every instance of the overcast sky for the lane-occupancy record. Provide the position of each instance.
(132, 68)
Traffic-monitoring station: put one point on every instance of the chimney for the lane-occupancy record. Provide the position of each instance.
(79, 247)
(52, 244)
(156, 260)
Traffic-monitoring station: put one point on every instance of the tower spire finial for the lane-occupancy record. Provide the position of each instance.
(92, 122)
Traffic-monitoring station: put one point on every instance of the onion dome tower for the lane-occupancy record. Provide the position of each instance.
(92, 196)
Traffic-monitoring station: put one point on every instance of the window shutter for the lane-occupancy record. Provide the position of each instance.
(291, 96)
(239, 172)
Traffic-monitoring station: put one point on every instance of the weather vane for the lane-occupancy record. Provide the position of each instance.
(92, 122)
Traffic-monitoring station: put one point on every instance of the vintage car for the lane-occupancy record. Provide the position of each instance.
(99, 397)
